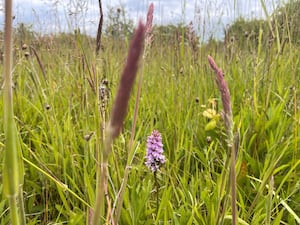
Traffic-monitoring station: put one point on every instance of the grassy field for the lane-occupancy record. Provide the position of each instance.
(60, 115)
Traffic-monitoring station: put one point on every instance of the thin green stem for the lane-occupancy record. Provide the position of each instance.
(222, 188)
(157, 192)
(61, 185)
(21, 207)
(120, 195)
(10, 164)
(233, 186)
(99, 209)
(11, 170)
(121, 192)
(99, 205)
(131, 152)
(269, 201)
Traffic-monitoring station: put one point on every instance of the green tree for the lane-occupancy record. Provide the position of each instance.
(119, 25)
(287, 19)
(245, 33)
(284, 28)
(24, 34)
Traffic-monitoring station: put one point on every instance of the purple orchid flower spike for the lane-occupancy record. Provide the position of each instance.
(155, 157)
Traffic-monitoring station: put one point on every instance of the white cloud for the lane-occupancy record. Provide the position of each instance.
(210, 16)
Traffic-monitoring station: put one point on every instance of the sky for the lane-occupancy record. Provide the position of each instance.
(209, 17)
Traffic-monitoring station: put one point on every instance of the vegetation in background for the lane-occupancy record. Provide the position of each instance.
(57, 99)
(119, 25)
(284, 26)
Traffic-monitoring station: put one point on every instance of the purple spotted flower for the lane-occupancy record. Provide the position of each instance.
(155, 157)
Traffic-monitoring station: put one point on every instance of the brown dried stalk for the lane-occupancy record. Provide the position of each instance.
(99, 31)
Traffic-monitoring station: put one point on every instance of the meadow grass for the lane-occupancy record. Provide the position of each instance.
(55, 113)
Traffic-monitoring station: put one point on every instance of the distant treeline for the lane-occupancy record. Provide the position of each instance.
(280, 28)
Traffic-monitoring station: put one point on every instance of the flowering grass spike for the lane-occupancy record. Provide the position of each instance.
(155, 157)
(228, 119)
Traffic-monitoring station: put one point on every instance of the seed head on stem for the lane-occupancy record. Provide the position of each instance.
(225, 96)
(117, 117)
(119, 110)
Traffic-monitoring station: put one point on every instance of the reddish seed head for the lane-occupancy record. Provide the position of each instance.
(224, 90)
(222, 85)
(126, 83)
(149, 18)
(148, 34)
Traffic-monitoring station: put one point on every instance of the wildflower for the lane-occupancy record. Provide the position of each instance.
(155, 157)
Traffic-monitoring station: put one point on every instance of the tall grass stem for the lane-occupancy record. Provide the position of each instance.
(118, 114)
(228, 120)
(120, 195)
(11, 170)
